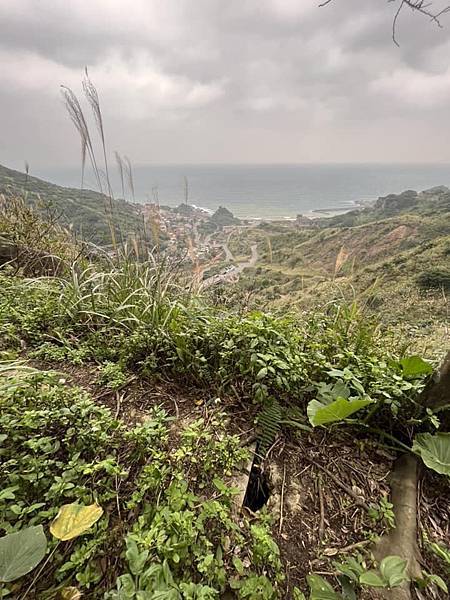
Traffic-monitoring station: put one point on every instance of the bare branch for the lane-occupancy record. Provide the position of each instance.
(423, 7)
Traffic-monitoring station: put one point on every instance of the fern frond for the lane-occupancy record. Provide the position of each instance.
(269, 424)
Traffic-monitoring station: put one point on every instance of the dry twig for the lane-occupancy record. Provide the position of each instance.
(342, 485)
(322, 510)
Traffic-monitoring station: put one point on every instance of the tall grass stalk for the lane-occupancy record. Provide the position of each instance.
(130, 178)
(120, 167)
(126, 297)
(76, 114)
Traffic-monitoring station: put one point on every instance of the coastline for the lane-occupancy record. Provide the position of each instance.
(317, 213)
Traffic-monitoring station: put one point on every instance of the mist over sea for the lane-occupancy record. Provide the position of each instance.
(267, 191)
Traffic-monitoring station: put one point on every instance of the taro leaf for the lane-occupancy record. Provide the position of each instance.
(328, 392)
(20, 552)
(74, 519)
(434, 451)
(414, 366)
(126, 586)
(372, 578)
(393, 570)
(136, 560)
(321, 589)
(319, 414)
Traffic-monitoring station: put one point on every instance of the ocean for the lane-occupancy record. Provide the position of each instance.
(268, 191)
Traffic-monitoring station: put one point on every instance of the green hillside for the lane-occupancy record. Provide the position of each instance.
(394, 258)
(430, 202)
(85, 211)
(157, 442)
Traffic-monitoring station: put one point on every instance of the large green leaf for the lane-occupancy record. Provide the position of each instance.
(414, 366)
(20, 552)
(341, 408)
(434, 451)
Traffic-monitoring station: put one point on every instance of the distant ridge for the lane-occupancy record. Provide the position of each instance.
(80, 209)
(430, 202)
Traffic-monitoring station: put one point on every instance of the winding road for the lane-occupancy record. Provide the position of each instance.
(232, 273)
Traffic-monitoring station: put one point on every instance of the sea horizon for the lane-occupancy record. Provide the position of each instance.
(263, 191)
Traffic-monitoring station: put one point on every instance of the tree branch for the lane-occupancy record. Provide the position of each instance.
(424, 7)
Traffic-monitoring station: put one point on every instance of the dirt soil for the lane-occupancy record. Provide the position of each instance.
(322, 484)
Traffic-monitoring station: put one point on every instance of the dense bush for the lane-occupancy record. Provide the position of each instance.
(159, 329)
(434, 279)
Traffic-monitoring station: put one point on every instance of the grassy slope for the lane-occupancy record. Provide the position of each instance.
(84, 210)
(380, 261)
(162, 474)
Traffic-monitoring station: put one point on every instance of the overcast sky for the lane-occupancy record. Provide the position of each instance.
(235, 81)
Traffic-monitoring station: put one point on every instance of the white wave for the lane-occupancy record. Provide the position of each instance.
(206, 210)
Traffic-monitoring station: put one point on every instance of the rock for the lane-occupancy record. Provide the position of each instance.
(223, 217)
(397, 202)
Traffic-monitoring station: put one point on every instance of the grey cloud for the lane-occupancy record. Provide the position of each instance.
(235, 81)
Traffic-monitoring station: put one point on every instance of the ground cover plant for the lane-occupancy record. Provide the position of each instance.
(163, 522)
(167, 527)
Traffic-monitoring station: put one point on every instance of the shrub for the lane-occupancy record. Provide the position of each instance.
(434, 279)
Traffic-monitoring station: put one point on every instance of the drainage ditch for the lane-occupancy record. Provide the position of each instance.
(258, 491)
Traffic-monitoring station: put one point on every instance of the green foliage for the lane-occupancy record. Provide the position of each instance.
(185, 534)
(62, 352)
(414, 367)
(82, 210)
(441, 552)
(113, 375)
(28, 309)
(434, 451)
(320, 589)
(392, 573)
(383, 510)
(20, 552)
(269, 424)
(158, 328)
(338, 410)
(209, 450)
(257, 587)
(31, 243)
(174, 506)
(434, 279)
(428, 579)
(335, 402)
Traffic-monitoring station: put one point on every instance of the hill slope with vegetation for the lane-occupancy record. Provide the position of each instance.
(395, 259)
(86, 212)
(179, 449)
